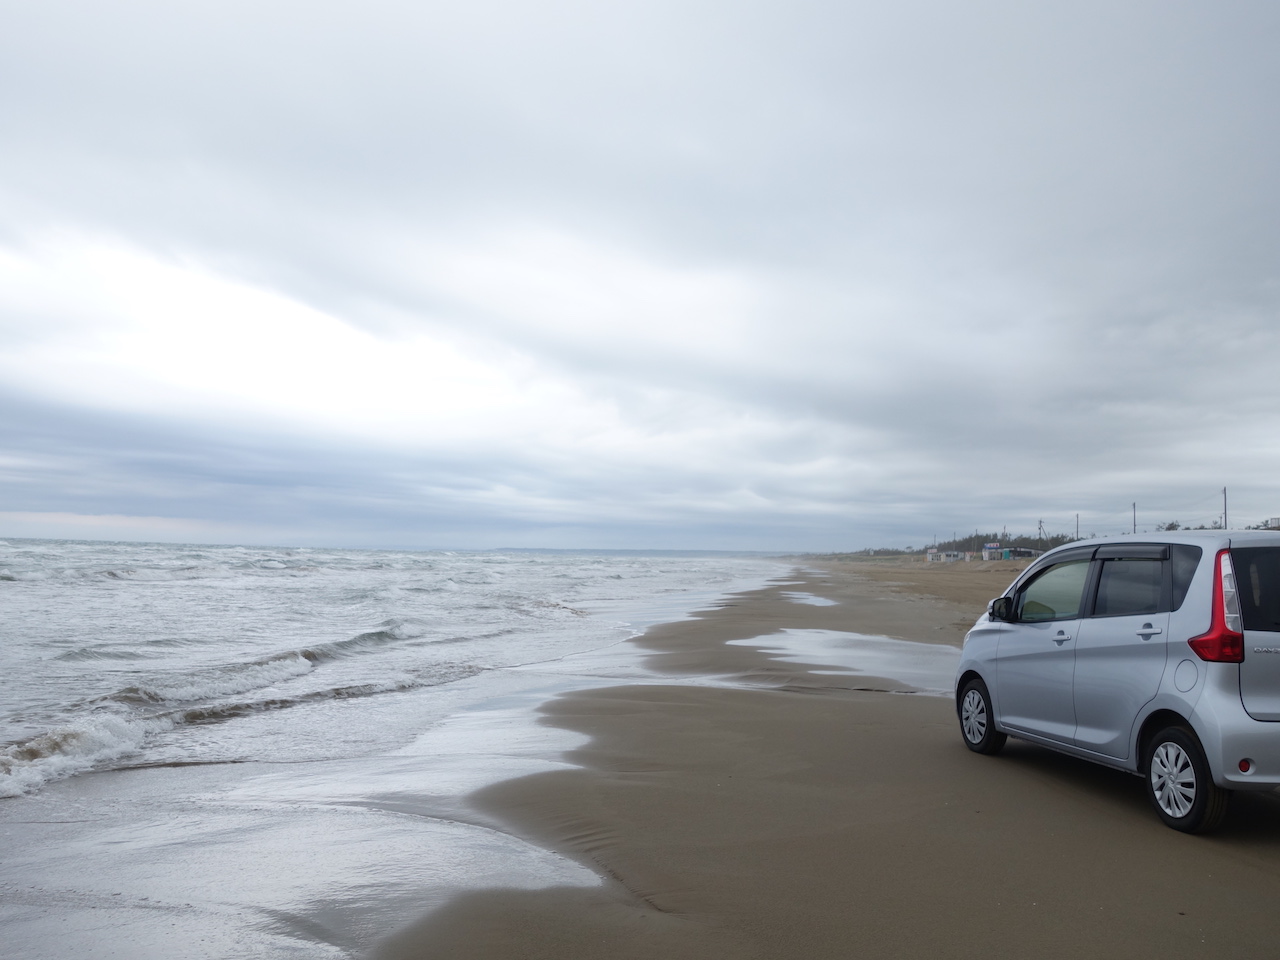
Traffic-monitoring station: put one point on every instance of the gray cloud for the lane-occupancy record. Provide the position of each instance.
(846, 272)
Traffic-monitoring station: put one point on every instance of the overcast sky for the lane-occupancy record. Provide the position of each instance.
(742, 275)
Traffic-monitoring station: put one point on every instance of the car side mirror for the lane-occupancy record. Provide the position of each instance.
(1001, 608)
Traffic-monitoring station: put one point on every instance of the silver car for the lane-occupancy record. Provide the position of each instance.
(1157, 654)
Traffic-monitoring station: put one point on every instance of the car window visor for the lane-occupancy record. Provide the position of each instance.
(1061, 556)
(1134, 551)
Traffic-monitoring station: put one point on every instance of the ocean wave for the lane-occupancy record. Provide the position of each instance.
(102, 740)
(171, 643)
(73, 748)
(389, 631)
(214, 682)
(274, 564)
(138, 574)
(89, 654)
(163, 574)
(158, 574)
(24, 576)
(537, 607)
(237, 678)
(221, 712)
(218, 713)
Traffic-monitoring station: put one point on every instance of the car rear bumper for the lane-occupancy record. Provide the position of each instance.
(1230, 736)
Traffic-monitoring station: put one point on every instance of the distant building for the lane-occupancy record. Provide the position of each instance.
(944, 556)
(993, 551)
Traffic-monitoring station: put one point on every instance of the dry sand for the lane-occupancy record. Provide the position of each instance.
(813, 817)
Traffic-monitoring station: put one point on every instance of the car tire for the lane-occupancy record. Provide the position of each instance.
(1179, 784)
(977, 719)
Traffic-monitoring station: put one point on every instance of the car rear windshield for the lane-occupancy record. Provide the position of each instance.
(1258, 584)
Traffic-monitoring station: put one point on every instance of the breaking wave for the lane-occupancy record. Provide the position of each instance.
(118, 725)
(99, 741)
(71, 749)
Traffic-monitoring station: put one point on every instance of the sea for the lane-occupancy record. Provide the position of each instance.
(233, 751)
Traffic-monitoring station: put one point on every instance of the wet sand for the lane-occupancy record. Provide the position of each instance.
(810, 815)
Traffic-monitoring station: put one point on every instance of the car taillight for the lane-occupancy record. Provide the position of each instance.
(1224, 641)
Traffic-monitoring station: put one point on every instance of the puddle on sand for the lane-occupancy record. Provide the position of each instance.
(796, 596)
(927, 667)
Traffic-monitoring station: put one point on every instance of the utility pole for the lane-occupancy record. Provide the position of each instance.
(1077, 526)
(1224, 508)
(1135, 517)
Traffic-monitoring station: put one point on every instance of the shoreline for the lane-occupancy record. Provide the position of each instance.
(803, 814)
(314, 828)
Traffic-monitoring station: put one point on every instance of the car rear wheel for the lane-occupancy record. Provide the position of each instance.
(977, 721)
(1179, 783)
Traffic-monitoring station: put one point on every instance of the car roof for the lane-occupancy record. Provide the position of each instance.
(1207, 539)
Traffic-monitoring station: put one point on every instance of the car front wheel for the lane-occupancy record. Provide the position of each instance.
(977, 721)
(1179, 783)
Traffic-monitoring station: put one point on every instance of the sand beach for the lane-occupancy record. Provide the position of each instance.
(810, 814)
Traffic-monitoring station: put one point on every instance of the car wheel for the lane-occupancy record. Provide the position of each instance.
(1179, 783)
(977, 720)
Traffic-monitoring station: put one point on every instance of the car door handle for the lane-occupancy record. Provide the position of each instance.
(1148, 631)
(1061, 637)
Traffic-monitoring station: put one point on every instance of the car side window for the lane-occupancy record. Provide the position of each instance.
(1130, 585)
(1054, 594)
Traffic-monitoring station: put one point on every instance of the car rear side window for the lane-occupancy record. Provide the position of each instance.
(1185, 559)
(1129, 585)
(1054, 594)
(1258, 582)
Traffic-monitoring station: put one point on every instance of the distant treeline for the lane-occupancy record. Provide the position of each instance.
(975, 542)
(970, 544)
